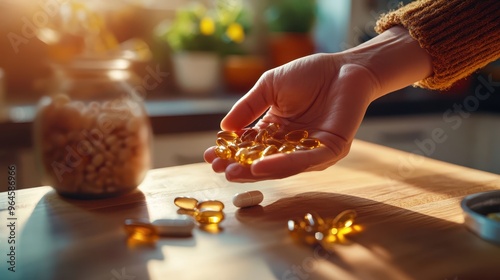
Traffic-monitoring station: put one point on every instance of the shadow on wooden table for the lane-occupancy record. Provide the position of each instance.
(421, 172)
(393, 243)
(58, 242)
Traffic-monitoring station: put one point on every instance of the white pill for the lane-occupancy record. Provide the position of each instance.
(174, 227)
(248, 199)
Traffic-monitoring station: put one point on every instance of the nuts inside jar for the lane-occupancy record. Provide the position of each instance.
(94, 148)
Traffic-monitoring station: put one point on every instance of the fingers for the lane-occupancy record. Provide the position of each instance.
(275, 167)
(209, 154)
(251, 106)
(220, 165)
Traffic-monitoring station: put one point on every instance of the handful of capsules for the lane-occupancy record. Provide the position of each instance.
(313, 229)
(208, 212)
(251, 144)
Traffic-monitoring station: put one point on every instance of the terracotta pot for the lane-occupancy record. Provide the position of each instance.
(197, 73)
(242, 71)
(285, 47)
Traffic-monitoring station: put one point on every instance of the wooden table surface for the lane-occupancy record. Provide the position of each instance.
(408, 208)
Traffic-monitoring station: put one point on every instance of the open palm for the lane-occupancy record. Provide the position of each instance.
(319, 93)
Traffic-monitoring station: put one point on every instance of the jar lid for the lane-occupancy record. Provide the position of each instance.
(475, 208)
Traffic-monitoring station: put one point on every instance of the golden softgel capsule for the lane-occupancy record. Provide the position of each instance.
(314, 229)
(248, 199)
(223, 152)
(251, 144)
(207, 217)
(296, 135)
(344, 220)
(312, 222)
(494, 216)
(178, 227)
(186, 203)
(309, 143)
(227, 135)
(213, 205)
(140, 230)
(208, 213)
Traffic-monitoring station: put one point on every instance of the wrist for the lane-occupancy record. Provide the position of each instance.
(395, 59)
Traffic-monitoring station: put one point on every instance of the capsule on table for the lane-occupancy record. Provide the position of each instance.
(246, 144)
(248, 199)
(140, 230)
(327, 236)
(213, 205)
(344, 220)
(233, 148)
(209, 217)
(302, 148)
(178, 227)
(227, 135)
(274, 142)
(249, 134)
(186, 203)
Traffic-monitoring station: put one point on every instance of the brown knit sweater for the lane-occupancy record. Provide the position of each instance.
(461, 36)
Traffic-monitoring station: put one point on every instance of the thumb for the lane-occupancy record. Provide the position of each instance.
(252, 105)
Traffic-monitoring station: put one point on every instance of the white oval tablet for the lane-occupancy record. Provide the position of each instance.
(174, 227)
(248, 199)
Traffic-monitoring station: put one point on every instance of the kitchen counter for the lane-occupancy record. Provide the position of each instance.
(179, 114)
(409, 226)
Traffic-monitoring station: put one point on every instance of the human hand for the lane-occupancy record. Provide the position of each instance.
(321, 94)
(325, 94)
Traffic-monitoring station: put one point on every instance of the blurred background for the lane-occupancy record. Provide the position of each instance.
(193, 59)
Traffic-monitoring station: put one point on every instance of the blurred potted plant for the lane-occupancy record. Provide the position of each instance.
(290, 23)
(241, 68)
(199, 36)
(193, 39)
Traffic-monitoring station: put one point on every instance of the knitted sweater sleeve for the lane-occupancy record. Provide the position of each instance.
(461, 36)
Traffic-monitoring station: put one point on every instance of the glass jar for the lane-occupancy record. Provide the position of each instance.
(92, 133)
